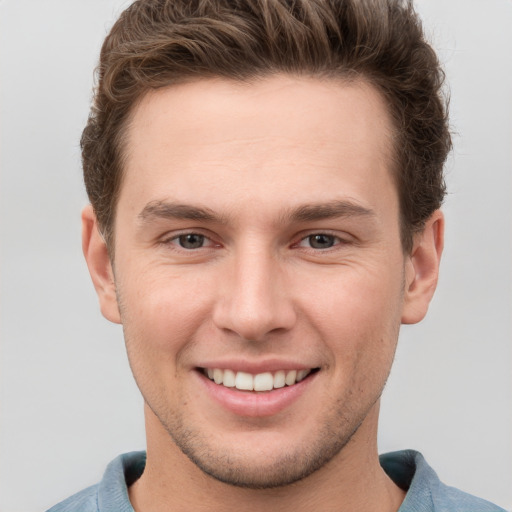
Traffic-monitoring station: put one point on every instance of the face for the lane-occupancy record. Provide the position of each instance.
(259, 273)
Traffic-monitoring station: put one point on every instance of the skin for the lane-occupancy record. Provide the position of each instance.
(253, 157)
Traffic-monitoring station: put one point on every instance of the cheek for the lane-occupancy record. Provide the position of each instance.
(355, 299)
(162, 311)
(161, 317)
(357, 314)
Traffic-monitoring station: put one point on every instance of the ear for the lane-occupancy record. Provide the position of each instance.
(100, 268)
(422, 269)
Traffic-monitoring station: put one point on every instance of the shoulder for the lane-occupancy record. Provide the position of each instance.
(111, 493)
(83, 501)
(425, 492)
(450, 499)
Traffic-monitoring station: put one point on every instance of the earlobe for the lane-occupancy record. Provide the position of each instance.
(100, 268)
(422, 269)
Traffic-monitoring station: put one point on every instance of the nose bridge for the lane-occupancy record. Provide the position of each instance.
(254, 301)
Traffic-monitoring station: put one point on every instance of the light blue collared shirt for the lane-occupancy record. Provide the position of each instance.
(408, 469)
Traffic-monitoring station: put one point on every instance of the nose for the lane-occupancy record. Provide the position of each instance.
(254, 299)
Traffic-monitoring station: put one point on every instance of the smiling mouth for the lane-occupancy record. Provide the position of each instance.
(266, 381)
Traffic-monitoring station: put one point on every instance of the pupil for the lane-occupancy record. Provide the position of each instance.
(321, 241)
(191, 241)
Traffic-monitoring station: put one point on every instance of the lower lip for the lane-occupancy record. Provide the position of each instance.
(255, 404)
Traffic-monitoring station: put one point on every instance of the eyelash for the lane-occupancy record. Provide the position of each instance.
(336, 241)
(175, 241)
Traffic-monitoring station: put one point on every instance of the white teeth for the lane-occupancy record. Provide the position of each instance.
(301, 374)
(279, 381)
(229, 379)
(244, 381)
(290, 377)
(218, 376)
(261, 382)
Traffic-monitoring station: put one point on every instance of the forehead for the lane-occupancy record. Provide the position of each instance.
(223, 143)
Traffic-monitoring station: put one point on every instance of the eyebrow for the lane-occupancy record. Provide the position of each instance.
(304, 213)
(329, 210)
(170, 210)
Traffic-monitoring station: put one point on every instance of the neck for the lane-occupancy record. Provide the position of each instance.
(352, 480)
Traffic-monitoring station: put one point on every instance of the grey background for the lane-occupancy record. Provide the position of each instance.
(67, 401)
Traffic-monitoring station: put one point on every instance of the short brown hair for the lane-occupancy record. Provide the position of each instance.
(157, 43)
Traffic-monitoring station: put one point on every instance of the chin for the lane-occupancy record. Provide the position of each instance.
(260, 461)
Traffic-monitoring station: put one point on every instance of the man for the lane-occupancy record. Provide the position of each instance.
(265, 180)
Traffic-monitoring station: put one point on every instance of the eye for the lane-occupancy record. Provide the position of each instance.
(188, 242)
(191, 241)
(319, 241)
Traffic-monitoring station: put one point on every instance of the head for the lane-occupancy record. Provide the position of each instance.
(158, 43)
(269, 175)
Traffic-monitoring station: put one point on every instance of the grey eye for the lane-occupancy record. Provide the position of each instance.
(191, 241)
(321, 241)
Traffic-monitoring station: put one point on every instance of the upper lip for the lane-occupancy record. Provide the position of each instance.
(255, 367)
